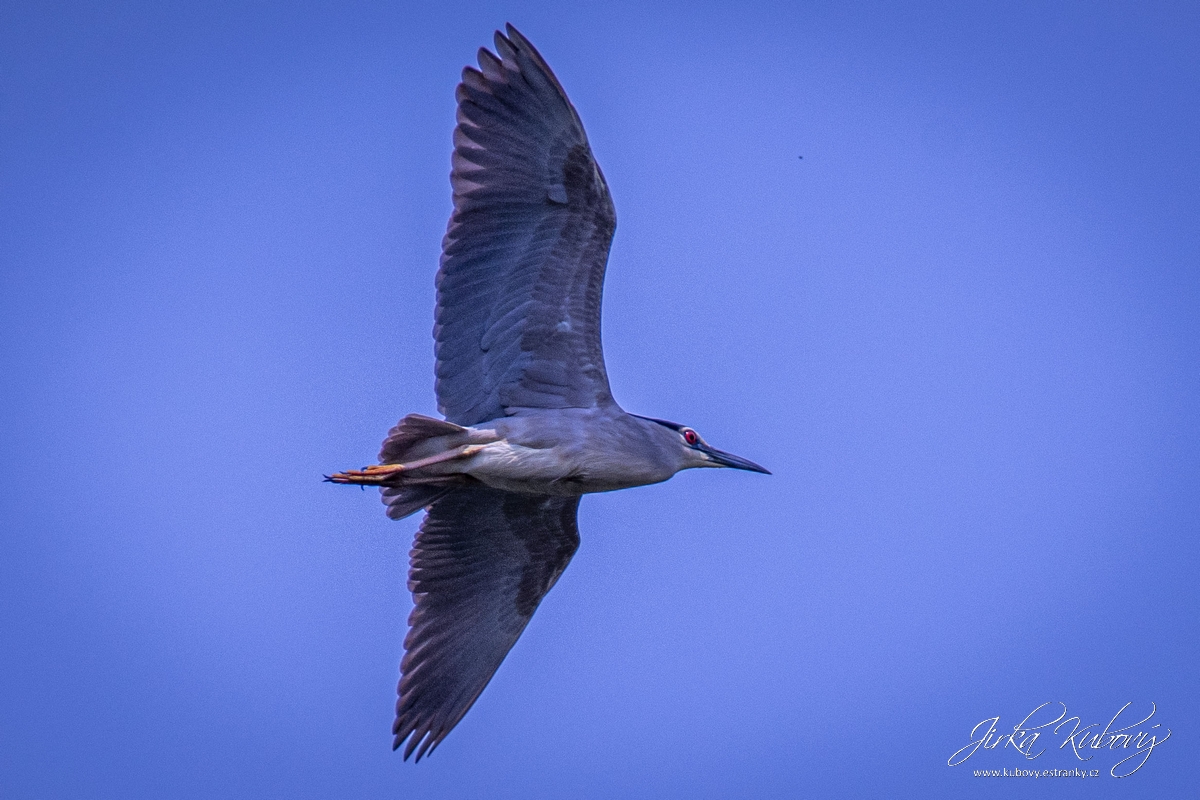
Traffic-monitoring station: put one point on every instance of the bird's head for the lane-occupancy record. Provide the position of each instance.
(695, 452)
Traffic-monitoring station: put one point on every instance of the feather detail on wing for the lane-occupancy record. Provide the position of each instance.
(523, 260)
(481, 563)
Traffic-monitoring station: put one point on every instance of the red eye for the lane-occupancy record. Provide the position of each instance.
(690, 436)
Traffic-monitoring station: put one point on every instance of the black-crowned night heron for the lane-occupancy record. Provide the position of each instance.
(530, 423)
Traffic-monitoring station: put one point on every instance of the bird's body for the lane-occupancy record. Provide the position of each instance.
(531, 425)
(566, 452)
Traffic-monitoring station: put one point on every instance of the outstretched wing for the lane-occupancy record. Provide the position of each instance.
(482, 561)
(522, 270)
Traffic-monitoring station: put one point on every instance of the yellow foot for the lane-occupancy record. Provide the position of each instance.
(378, 474)
(373, 475)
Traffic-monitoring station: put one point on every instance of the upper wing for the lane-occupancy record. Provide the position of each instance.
(518, 302)
(480, 565)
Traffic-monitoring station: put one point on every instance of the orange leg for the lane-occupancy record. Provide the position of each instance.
(378, 474)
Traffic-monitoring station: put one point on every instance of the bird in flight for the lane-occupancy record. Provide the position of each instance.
(530, 424)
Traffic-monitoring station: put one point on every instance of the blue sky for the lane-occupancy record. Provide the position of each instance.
(963, 331)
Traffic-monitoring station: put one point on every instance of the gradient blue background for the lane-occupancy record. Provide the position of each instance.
(963, 330)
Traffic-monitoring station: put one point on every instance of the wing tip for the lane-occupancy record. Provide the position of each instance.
(420, 740)
(515, 36)
(517, 45)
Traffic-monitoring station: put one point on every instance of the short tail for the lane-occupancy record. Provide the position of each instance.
(404, 499)
(410, 430)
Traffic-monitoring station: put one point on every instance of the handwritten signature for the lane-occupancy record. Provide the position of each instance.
(1082, 738)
